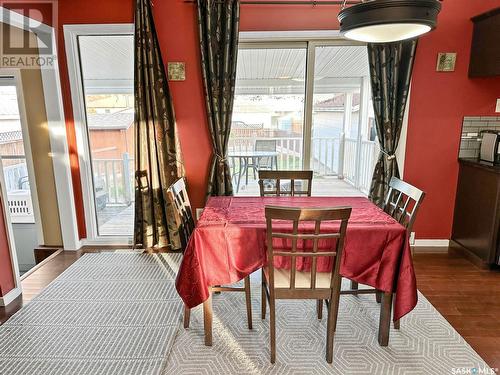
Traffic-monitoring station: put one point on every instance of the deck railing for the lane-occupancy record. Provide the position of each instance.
(330, 156)
(114, 178)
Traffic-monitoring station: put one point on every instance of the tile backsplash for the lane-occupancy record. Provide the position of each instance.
(470, 142)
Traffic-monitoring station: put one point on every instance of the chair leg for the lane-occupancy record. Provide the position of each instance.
(319, 308)
(272, 327)
(378, 296)
(207, 320)
(354, 285)
(397, 324)
(263, 298)
(333, 312)
(187, 316)
(248, 299)
(385, 319)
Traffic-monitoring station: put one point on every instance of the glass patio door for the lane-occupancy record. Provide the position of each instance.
(106, 63)
(268, 115)
(303, 105)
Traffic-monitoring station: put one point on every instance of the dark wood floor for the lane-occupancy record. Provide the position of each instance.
(468, 297)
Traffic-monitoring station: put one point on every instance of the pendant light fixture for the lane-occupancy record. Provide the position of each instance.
(382, 21)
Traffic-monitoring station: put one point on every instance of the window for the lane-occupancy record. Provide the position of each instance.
(289, 114)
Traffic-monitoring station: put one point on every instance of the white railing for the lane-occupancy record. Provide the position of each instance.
(113, 180)
(18, 189)
(325, 156)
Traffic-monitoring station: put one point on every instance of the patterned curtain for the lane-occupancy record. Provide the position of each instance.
(218, 23)
(157, 152)
(390, 71)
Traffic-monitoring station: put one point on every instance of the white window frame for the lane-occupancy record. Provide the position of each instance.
(71, 34)
(12, 77)
(308, 40)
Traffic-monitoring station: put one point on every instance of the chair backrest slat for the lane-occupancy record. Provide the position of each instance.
(178, 196)
(403, 201)
(298, 216)
(276, 178)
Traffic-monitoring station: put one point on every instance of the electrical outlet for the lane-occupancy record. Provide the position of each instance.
(497, 109)
(412, 238)
(199, 211)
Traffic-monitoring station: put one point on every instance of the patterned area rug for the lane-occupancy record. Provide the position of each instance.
(425, 344)
(109, 313)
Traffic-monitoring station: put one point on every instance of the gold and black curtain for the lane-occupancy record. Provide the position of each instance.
(390, 72)
(218, 23)
(157, 152)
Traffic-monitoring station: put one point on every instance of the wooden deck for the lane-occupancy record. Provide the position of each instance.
(323, 186)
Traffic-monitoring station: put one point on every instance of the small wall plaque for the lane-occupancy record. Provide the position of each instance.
(176, 71)
(446, 62)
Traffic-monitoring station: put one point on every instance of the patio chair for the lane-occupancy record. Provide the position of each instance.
(285, 183)
(293, 284)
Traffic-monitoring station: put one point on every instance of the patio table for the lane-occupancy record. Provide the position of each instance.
(247, 158)
(228, 244)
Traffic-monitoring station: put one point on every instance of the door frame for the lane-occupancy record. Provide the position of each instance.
(57, 129)
(14, 79)
(71, 34)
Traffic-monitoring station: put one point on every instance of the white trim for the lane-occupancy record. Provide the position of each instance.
(71, 33)
(57, 134)
(432, 243)
(10, 240)
(11, 296)
(294, 36)
(401, 148)
(16, 81)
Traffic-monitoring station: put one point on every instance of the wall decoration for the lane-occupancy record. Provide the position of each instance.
(446, 62)
(176, 71)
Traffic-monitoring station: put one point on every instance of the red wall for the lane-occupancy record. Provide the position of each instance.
(439, 101)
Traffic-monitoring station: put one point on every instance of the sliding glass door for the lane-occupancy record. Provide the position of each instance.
(268, 116)
(307, 105)
(107, 77)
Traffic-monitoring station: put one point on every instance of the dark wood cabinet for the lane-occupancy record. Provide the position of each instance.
(477, 211)
(485, 53)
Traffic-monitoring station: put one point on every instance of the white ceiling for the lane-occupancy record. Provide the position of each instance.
(108, 66)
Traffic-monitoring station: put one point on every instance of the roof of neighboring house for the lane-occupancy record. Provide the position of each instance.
(244, 125)
(118, 120)
(337, 102)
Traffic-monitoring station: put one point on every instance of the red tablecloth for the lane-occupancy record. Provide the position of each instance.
(228, 244)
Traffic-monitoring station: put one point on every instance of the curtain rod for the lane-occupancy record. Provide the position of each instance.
(285, 2)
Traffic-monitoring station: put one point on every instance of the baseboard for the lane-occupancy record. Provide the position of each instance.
(11, 296)
(432, 243)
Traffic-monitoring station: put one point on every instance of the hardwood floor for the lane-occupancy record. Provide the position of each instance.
(467, 296)
(34, 283)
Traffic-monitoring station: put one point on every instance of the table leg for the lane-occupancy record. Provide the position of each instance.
(385, 319)
(207, 320)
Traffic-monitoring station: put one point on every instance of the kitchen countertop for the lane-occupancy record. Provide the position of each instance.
(481, 164)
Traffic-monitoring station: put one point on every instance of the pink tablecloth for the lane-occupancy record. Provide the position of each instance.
(229, 244)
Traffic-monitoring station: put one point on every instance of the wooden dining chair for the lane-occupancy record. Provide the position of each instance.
(178, 196)
(285, 183)
(293, 284)
(402, 202)
(183, 213)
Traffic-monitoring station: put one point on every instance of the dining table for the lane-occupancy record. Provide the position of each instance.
(229, 243)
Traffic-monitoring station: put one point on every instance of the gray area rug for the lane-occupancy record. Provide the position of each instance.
(119, 313)
(425, 344)
(109, 313)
